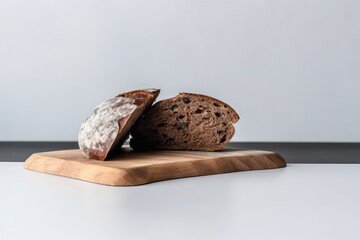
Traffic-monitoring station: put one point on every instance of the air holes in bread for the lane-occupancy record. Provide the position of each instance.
(216, 105)
(199, 110)
(174, 107)
(186, 100)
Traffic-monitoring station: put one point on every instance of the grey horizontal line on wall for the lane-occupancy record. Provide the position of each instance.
(294, 152)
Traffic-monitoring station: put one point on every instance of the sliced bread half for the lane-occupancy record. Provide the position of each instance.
(109, 124)
(186, 122)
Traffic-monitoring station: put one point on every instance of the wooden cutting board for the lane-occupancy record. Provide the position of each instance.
(128, 167)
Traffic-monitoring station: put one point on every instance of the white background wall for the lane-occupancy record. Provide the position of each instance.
(290, 68)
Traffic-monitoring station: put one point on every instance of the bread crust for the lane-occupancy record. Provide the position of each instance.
(150, 93)
(109, 124)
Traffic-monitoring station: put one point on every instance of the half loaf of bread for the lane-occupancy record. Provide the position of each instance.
(109, 124)
(186, 122)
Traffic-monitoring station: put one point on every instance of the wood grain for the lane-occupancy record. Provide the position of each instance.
(128, 168)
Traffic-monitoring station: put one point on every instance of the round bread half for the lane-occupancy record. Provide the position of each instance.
(187, 121)
(109, 124)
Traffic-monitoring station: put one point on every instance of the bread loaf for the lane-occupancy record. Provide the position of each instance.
(109, 124)
(186, 122)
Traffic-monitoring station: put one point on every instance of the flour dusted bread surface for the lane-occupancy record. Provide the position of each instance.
(186, 122)
(109, 124)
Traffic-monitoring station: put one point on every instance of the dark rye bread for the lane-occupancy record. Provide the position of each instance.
(186, 122)
(109, 124)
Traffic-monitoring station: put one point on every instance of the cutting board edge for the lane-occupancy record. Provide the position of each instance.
(119, 176)
(277, 159)
(147, 174)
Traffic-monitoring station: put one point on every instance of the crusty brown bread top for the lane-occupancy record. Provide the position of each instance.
(141, 95)
(188, 121)
(109, 124)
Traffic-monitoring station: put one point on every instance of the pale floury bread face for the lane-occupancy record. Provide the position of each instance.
(99, 131)
(109, 124)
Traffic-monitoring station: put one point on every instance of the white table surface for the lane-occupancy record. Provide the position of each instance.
(300, 201)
